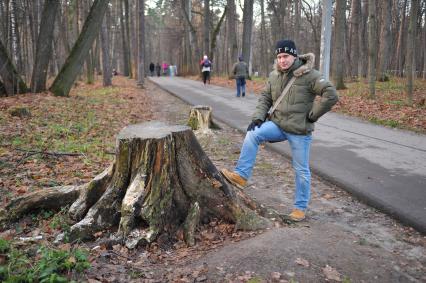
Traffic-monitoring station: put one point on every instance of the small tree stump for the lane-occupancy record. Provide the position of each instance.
(200, 118)
(161, 181)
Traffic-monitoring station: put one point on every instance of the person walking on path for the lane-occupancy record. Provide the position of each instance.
(151, 69)
(240, 72)
(206, 68)
(165, 69)
(158, 69)
(293, 119)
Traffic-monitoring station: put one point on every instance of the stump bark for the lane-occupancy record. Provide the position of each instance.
(161, 181)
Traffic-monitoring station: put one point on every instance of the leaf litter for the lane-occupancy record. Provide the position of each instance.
(96, 114)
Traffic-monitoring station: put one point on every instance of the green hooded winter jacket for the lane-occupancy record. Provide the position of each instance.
(240, 70)
(298, 111)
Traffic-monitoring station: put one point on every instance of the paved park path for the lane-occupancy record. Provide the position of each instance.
(385, 168)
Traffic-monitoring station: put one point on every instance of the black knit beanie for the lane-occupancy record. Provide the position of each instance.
(286, 46)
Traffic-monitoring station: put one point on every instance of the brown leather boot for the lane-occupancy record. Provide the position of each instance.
(234, 178)
(296, 215)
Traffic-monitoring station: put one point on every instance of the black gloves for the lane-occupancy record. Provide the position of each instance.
(254, 124)
(309, 119)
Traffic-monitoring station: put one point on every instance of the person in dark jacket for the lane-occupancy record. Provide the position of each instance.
(158, 69)
(293, 120)
(206, 68)
(151, 69)
(240, 72)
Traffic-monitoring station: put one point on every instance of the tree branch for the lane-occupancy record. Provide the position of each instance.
(32, 152)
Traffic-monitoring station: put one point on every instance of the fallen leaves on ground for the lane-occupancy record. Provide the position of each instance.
(33, 150)
(331, 273)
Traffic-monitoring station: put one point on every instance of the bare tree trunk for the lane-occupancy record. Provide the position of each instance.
(58, 53)
(279, 11)
(410, 67)
(124, 46)
(206, 28)
(247, 31)
(33, 15)
(297, 20)
(401, 39)
(2, 89)
(127, 30)
(354, 36)
(16, 38)
(4, 23)
(63, 27)
(44, 46)
(76, 19)
(327, 10)
(215, 34)
(12, 81)
(106, 67)
(424, 50)
(133, 12)
(385, 40)
(115, 42)
(263, 41)
(90, 68)
(188, 64)
(193, 37)
(339, 44)
(232, 33)
(66, 77)
(141, 42)
(310, 17)
(372, 48)
(27, 44)
(363, 60)
(97, 55)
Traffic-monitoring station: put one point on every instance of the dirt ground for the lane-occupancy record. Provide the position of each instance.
(341, 240)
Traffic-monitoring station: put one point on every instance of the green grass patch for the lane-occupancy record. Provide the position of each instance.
(396, 102)
(362, 242)
(103, 91)
(389, 123)
(49, 265)
(224, 141)
(258, 79)
(61, 221)
(18, 141)
(4, 245)
(264, 166)
(255, 280)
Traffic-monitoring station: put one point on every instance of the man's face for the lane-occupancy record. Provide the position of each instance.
(285, 60)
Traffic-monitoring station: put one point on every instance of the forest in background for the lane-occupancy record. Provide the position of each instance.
(369, 38)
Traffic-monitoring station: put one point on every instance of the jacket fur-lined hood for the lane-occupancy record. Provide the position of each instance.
(308, 61)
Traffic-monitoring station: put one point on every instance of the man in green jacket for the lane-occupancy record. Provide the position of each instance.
(293, 120)
(240, 72)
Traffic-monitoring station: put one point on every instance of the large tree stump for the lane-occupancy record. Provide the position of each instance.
(161, 181)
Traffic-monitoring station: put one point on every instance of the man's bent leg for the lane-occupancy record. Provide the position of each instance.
(300, 147)
(268, 131)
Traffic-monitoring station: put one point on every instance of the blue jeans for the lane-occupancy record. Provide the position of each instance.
(241, 85)
(300, 147)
